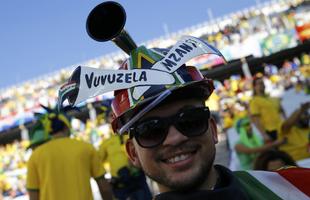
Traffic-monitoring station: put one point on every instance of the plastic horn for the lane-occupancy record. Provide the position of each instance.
(106, 22)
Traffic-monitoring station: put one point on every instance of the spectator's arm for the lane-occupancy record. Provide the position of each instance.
(240, 148)
(104, 188)
(289, 123)
(33, 194)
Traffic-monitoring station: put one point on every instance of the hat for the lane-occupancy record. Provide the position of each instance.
(38, 135)
(148, 76)
(47, 123)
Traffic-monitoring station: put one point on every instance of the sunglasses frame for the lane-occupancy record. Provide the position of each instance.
(166, 122)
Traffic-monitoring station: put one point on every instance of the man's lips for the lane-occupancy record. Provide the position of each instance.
(173, 154)
(179, 157)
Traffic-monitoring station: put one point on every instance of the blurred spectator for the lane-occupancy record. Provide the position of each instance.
(273, 160)
(297, 132)
(128, 182)
(249, 144)
(62, 167)
(12, 163)
(270, 69)
(265, 111)
(305, 59)
(288, 66)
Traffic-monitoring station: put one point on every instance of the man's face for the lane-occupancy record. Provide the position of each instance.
(180, 162)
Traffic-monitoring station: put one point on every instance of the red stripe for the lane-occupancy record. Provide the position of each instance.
(193, 72)
(299, 177)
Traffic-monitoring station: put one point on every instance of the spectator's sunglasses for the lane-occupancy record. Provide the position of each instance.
(152, 132)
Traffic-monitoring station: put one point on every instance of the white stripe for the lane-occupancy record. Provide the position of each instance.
(279, 185)
(200, 73)
(131, 103)
(129, 67)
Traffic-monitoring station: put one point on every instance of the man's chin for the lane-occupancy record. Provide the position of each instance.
(185, 181)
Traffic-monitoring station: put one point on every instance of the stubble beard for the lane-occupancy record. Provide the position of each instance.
(194, 181)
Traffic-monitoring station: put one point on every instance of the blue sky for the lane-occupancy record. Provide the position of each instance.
(39, 37)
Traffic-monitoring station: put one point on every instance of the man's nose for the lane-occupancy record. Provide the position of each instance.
(174, 137)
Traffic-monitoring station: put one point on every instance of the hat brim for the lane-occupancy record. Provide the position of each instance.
(203, 89)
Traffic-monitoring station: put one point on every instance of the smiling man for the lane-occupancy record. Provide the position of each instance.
(171, 134)
(174, 142)
(174, 160)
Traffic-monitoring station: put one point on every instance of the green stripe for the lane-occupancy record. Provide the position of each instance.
(255, 189)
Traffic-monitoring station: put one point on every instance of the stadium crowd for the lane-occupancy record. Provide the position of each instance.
(229, 103)
(227, 34)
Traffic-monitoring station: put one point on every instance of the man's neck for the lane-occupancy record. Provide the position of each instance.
(59, 135)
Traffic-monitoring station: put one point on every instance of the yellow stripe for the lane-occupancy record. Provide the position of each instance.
(142, 55)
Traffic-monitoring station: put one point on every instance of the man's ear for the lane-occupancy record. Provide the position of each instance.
(213, 130)
(132, 153)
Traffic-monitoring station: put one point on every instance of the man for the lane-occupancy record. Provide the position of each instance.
(61, 168)
(297, 132)
(159, 102)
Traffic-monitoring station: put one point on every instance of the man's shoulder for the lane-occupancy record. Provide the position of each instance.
(65, 142)
(286, 182)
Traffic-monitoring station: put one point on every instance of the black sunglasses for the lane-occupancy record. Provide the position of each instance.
(152, 132)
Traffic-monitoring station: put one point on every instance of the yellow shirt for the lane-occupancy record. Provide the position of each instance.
(268, 110)
(113, 152)
(62, 168)
(297, 143)
(228, 122)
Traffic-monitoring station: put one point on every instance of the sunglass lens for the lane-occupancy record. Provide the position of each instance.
(150, 133)
(193, 122)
